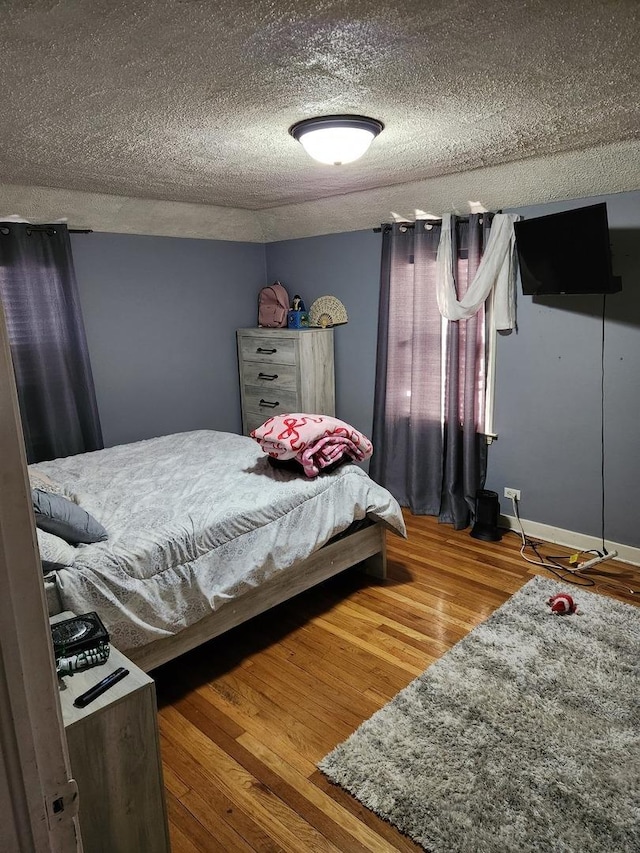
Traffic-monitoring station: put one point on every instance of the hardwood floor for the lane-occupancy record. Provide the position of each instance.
(245, 718)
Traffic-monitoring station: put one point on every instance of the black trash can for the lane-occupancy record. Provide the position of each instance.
(487, 516)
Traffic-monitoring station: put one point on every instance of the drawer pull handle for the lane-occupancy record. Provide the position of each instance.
(269, 404)
(268, 376)
(267, 351)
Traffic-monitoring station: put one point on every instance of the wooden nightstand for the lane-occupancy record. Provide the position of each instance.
(115, 759)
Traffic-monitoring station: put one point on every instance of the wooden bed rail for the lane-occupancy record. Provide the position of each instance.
(367, 546)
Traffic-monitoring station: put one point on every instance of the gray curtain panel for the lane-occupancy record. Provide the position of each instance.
(429, 447)
(48, 346)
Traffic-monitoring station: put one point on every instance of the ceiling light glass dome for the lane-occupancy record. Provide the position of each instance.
(337, 139)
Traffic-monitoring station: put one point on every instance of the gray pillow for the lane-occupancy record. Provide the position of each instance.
(65, 519)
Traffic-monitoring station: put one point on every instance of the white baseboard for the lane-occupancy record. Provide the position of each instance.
(536, 530)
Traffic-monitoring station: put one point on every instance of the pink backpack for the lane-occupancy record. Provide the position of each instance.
(273, 306)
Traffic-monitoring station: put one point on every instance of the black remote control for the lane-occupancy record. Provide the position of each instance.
(117, 675)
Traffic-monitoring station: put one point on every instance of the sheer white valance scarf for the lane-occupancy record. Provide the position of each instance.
(497, 270)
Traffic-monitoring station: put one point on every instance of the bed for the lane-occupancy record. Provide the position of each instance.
(203, 534)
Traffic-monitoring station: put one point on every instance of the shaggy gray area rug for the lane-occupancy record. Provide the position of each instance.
(523, 737)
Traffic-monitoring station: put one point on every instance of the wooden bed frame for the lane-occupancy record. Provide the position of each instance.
(366, 546)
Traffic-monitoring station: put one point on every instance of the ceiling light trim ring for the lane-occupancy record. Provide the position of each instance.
(360, 122)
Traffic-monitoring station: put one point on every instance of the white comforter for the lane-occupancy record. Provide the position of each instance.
(194, 519)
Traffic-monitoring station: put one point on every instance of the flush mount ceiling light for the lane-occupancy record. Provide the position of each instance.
(336, 139)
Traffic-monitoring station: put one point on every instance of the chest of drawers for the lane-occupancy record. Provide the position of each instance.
(285, 370)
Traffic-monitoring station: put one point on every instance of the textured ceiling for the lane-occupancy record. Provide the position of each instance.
(191, 100)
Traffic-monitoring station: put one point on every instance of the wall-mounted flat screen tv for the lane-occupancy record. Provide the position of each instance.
(566, 252)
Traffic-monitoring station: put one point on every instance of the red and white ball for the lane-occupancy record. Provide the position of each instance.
(562, 604)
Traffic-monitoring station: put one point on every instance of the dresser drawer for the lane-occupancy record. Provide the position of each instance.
(269, 401)
(268, 350)
(261, 374)
(252, 420)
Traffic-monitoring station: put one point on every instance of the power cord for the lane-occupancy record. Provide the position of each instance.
(565, 573)
(545, 561)
(602, 494)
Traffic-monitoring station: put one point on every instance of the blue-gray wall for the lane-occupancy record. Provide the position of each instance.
(548, 401)
(160, 315)
(346, 266)
(548, 375)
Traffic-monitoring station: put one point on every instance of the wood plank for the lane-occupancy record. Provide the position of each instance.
(395, 840)
(223, 836)
(220, 806)
(302, 669)
(311, 695)
(348, 833)
(181, 842)
(356, 665)
(172, 783)
(303, 739)
(267, 810)
(371, 641)
(187, 833)
(257, 759)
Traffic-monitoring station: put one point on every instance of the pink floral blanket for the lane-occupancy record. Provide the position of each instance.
(315, 441)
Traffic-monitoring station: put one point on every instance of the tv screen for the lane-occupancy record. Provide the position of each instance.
(566, 252)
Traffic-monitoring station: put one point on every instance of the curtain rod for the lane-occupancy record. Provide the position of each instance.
(433, 221)
(47, 227)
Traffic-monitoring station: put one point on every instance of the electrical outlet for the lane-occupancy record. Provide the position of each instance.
(512, 493)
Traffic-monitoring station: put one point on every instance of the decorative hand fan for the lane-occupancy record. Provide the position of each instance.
(327, 311)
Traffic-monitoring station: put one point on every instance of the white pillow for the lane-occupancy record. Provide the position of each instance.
(43, 483)
(53, 549)
(38, 480)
